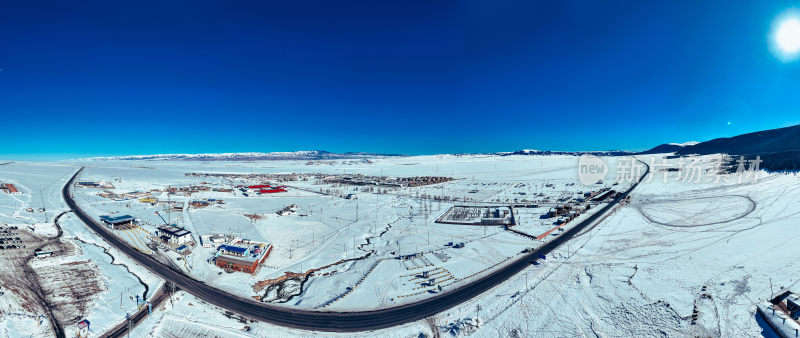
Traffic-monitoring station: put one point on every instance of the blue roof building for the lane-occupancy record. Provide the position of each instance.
(234, 250)
(118, 222)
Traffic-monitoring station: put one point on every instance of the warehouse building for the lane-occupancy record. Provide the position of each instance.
(271, 191)
(94, 184)
(208, 241)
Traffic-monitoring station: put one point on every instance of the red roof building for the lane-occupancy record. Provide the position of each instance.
(242, 264)
(271, 191)
(10, 188)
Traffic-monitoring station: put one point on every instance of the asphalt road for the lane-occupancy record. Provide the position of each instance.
(335, 321)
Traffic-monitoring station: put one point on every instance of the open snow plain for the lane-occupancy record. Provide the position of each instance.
(339, 248)
(677, 249)
(711, 248)
(82, 279)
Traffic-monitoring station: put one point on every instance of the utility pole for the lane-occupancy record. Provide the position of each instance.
(771, 292)
(128, 317)
(477, 318)
(171, 292)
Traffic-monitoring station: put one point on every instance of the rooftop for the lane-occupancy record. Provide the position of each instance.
(232, 248)
(237, 260)
(173, 230)
(117, 219)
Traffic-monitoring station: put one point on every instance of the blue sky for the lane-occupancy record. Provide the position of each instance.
(107, 77)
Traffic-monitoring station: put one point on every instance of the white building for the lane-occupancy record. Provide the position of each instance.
(174, 234)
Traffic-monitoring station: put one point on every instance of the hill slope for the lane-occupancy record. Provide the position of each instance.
(757, 143)
(778, 148)
(668, 148)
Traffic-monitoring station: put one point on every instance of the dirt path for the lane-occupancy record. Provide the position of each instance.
(33, 280)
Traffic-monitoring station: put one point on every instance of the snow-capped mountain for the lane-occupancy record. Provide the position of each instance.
(684, 144)
(552, 152)
(250, 156)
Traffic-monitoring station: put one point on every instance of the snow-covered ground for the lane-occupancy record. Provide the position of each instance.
(79, 280)
(679, 248)
(347, 243)
(187, 316)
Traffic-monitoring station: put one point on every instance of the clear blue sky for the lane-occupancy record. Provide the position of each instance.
(105, 77)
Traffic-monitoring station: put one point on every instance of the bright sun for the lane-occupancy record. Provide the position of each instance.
(786, 36)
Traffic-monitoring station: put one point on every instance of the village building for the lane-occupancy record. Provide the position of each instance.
(183, 250)
(233, 250)
(208, 241)
(244, 259)
(174, 234)
(9, 188)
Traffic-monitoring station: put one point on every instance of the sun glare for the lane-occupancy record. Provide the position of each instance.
(786, 36)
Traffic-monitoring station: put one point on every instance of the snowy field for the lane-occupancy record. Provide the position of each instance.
(679, 249)
(79, 280)
(338, 253)
(644, 270)
(641, 271)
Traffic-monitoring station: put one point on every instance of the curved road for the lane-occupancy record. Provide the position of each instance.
(334, 321)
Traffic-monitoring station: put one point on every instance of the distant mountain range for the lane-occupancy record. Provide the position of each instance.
(293, 155)
(574, 153)
(778, 148)
(318, 155)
